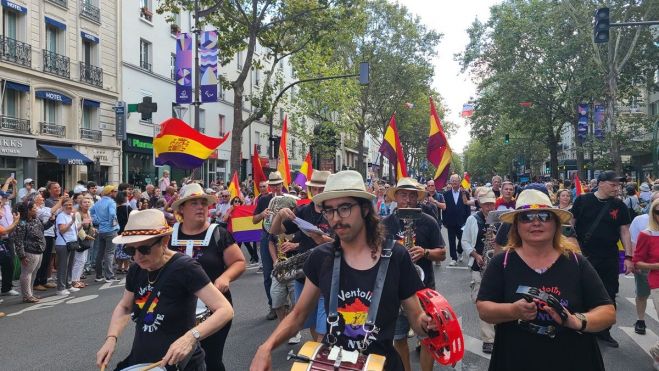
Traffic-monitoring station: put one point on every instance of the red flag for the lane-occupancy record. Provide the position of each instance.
(283, 166)
(392, 150)
(577, 184)
(466, 181)
(257, 172)
(439, 153)
(234, 186)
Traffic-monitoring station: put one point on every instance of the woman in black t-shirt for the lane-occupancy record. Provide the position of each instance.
(220, 258)
(160, 297)
(537, 255)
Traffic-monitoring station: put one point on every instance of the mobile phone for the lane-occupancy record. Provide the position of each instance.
(13, 175)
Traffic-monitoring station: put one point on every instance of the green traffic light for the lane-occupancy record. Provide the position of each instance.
(506, 139)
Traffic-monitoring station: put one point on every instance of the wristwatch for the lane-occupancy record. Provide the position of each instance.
(426, 252)
(583, 319)
(195, 334)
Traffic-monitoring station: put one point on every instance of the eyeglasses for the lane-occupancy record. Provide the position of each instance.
(144, 249)
(224, 195)
(542, 216)
(343, 211)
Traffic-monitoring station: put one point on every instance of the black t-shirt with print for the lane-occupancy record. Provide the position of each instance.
(210, 257)
(355, 292)
(171, 313)
(574, 281)
(263, 203)
(307, 212)
(426, 235)
(603, 242)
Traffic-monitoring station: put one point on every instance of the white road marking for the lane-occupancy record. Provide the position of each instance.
(646, 341)
(456, 267)
(82, 299)
(111, 285)
(649, 310)
(472, 345)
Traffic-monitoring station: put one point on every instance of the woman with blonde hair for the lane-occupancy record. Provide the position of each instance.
(539, 263)
(564, 199)
(86, 236)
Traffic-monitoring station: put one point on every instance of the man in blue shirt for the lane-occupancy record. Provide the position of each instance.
(104, 214)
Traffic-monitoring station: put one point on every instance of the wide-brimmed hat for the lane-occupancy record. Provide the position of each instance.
(192, 191)
(143, 225)
(347, 183)
(533, 200)
(275, 178)
(108, 189)
(318, 178)
(487, 196)
(406, 183)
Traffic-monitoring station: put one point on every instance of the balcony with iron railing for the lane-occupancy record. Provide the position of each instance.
(15, 51)
(55, 130)
(91, 74)
(145, 65)
(91, 134)
(56, 64)
(90, 11)
(62, 3)
(15, 125)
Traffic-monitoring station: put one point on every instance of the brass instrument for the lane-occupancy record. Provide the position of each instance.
(277, 203)
(408, 215)
(488, 245)
(291, 268)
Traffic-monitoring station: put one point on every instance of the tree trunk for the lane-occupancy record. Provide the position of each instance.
(361, 137)
(553, 153)
(237, 130)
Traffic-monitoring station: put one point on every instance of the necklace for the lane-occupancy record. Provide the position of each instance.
(148, 276)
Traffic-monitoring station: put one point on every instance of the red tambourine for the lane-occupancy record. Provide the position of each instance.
(446, 344)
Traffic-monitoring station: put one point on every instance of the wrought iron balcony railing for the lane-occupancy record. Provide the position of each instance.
(15, 51)
(56, 64)
(62, 3)
(91, 74)
(48, 128)
(91, 134)
(16, 125)
(146, 65)
(89, 10)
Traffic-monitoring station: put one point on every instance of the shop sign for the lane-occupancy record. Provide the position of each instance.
(101, 155)
(18, 147)
(135, 144)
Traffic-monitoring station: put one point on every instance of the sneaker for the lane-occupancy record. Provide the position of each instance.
(260, 270)
(40, 288)
(460, 257)
(111, 280)
(488, 348)
(99, 279)
(639, 327)
(10, 293)
(50, 285)
(607, 339)
(271, 315)
(453, 263)
(73, 289)
(295, 339)
(63, 292)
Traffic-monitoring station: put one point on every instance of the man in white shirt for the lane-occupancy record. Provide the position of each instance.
(28, 189)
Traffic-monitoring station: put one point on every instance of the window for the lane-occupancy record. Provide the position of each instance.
(175, 27)
(145, 54)
(239, 60)
(146, 10)
(10, 108)
(221, 125)
(172, 66)
(10, 24)
(88, 117)
(51, 39)
(257, 77)
(257, 141)
(50, 111)
(202, 121)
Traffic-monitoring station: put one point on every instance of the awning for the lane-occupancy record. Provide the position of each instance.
(51, 95)
(90, 103)
(16, 86)
(67, 155)
(89, 37)
(14, 6)
(56, 24)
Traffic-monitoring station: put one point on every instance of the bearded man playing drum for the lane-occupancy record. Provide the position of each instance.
(360, 251)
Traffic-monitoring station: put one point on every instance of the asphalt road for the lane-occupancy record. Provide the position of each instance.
(64, 333)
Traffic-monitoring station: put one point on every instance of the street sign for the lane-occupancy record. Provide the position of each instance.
(120, 121)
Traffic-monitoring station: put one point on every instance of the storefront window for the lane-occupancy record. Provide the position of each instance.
(140, 169)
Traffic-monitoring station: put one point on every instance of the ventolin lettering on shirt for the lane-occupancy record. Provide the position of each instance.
(554, 290)
(353, 308)
(152, 320)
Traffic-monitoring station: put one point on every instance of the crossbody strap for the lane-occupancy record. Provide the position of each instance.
(155, 291)
(593, 226)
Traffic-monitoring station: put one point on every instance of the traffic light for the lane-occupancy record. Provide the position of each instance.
(506, 139)
(601, 29)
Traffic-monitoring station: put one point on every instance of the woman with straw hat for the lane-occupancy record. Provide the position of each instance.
(215, 250)
(160, 297)
(540, 263)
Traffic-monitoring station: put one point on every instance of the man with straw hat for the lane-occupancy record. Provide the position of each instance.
(355, 258)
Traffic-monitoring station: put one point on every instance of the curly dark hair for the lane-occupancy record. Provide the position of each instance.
(374, 229)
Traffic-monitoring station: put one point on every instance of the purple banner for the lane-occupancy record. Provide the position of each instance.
(582, 126)
(183, 68)
(598, 120)
(208, 66)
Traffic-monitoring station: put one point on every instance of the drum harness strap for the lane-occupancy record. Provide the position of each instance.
(190, 244)
(333, 315)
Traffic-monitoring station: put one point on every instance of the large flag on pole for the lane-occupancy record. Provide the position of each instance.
(577, 184)
(439, 153)
(283, 166)
(392, 150)
(234, 186)
(179, 145)
(305, 172)
(257, 172)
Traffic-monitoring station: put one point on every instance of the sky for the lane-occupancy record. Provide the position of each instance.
(451, 18)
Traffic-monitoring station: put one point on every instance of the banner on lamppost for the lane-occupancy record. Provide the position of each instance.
(208, 66)
(183, 68)
(598, 121)
(582, 126)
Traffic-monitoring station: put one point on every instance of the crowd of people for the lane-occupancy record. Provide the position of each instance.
(524, 243)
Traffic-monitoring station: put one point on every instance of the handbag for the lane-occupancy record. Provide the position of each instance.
(70, 245)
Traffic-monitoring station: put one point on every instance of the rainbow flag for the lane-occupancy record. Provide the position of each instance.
(234, 186)
(305, 172)
(257, 172)
(392, 150)
(577, 184)
(283, 166)
(179, 145)
(241, 226)
(439, 153)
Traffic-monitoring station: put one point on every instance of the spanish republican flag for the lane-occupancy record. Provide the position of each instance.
(305, 172)
(179, 145)
(234, 186)
(257, 172)
(577, 184)
(283, 166)
(439, 153)
(466, 181)
(240, 224)
(392, 150)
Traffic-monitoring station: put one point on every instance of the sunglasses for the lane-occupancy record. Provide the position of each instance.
(542, 216)
(655, 212)
(144, 249)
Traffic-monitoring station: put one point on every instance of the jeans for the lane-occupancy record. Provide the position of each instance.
(28, 271)
(253, 252)
(64, 265)
(7, 267)
(44, 272)
(105, 255)
(453, 233)
(91, 255)
(266, 260)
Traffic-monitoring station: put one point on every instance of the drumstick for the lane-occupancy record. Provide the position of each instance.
(103, 367)
(151, 366)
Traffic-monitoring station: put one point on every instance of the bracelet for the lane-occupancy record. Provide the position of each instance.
(112, 336)
(628, 257)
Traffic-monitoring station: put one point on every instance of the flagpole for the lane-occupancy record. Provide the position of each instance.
(197, 78)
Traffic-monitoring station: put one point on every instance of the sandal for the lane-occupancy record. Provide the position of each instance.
(78, 284)
(31, 299)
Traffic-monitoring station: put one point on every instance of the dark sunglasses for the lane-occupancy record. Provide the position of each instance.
(529, 217)
(144, 249)
(655, 212)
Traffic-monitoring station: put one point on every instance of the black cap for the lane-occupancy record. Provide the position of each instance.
(610, 176)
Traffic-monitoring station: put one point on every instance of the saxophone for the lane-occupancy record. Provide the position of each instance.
(408, 215)
(488, 245)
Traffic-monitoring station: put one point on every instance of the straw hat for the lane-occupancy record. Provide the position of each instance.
(347, 183)
(192, 191)
(143, 225)
(275, 178)
(532, 199)
(487, 196)
(318, 178)
(406, 183)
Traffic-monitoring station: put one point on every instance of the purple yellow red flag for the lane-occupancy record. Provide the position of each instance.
(241, 226)
(439, 153)
(466, 181)
(234, 186)
(179, 145)
(257, 172)
(283, 165)
(577, 184)
(392, 150)
(305, 172)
